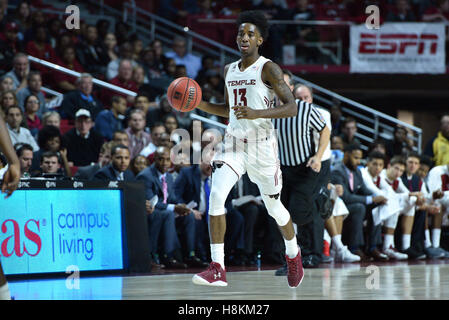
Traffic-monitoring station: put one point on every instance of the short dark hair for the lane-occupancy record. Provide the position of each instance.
(397, 160)
(348, 120)
(257, 18)
(290, 75)
(376, 155)
(49, 154)
(116, 147)
(426, 160)
(414, 154)
(352, 147)
(21, 147)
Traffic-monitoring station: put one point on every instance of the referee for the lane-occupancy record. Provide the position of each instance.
(300, 163)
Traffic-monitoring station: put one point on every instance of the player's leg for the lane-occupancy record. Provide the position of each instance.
(4, 289)
(223, 180)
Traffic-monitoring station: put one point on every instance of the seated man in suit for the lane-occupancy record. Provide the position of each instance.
(118, 169)
(104, 158)
(356, 196)
(193, 184)
(168, 213)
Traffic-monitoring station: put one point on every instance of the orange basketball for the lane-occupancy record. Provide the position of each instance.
(184, 94)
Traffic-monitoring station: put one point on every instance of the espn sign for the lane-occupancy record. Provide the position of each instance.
(398, 48)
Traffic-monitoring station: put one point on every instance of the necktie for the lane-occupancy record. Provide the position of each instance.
(164, 189)
(207, 193)
(351, 180)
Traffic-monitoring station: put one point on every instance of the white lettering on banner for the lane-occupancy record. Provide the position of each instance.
(398, 48)
(373, 20)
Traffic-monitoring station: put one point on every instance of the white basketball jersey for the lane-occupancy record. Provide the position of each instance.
(246, 88)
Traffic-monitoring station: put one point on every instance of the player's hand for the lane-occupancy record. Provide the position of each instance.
(339, 189)
(244, 112)
(433, 209)
(314, 163)
(11, 179)
(198, 215)
(438, 194)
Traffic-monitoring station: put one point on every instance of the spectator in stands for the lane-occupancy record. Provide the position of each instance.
(213, 87)
(138, 138)
(180, 160)
(180, 71)
(138, 164)
(81, 98)
(137, 45)
(337, 153)
(438, 13)
(121, 137)
(6, 84)
(10, 45)
(32, 119)
(91, 54)
(64, 82)
(161, 218)
(50, 166)
(125, 53)
(118, 168)
(356, 196)
(121, 32)
(14, 119)
(20, 70)
(169, 11)
(104, 157)
(400, 144)
(141, 102)
(349, 130)
(25, 154)
(40, 47)
(438, 147)
(124, 80)
(56, 34)
(23, 18)
(171, 124)
(51, 118)
(402, 13)
(336, 118)
(157, 130)
(207, 64)
(37, 20)
(159, 57)
(110, 46)
(378, 145)
(34, 86)
(110, 120)
(8, 99)
(50, 139)
(103, 28)
(139, 77)
(83, 143)
(157, 114)
(181, 56)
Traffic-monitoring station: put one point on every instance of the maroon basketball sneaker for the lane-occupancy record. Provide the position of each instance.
(295, 271)
(213, 276)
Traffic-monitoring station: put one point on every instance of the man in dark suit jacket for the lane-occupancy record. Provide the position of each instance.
(190, 186)
(118, 169)
(356, 197)
(161, 218)
(104, 158)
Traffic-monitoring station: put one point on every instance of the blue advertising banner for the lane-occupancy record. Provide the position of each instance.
(45, 231)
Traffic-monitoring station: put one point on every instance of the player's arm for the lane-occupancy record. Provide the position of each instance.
(272, 74)
(219, 109)
(12, 175)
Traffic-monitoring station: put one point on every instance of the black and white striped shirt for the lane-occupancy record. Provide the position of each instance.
(294, 138)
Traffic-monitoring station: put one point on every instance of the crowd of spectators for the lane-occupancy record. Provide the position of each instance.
(95, 133)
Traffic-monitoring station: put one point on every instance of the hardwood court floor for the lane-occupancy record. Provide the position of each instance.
(400, 280)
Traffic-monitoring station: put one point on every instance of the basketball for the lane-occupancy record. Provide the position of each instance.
(184, 94)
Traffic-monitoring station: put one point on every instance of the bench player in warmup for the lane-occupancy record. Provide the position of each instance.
(251, 85)
(10, 182)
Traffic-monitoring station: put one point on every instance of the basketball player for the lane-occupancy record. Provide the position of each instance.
(251, 85)
(9, 184)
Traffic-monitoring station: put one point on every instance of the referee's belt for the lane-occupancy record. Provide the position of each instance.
(245, 140)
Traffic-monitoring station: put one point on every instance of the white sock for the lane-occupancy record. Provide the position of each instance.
(436, 235)
(336, 242)
(4, 292)
(217, 253)
(427, 242)
(291, 248)
(406, 238)
(388, 241)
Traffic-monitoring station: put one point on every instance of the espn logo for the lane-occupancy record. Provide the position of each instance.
(397, 43)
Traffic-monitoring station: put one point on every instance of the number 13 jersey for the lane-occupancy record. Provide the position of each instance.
(246, 88)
